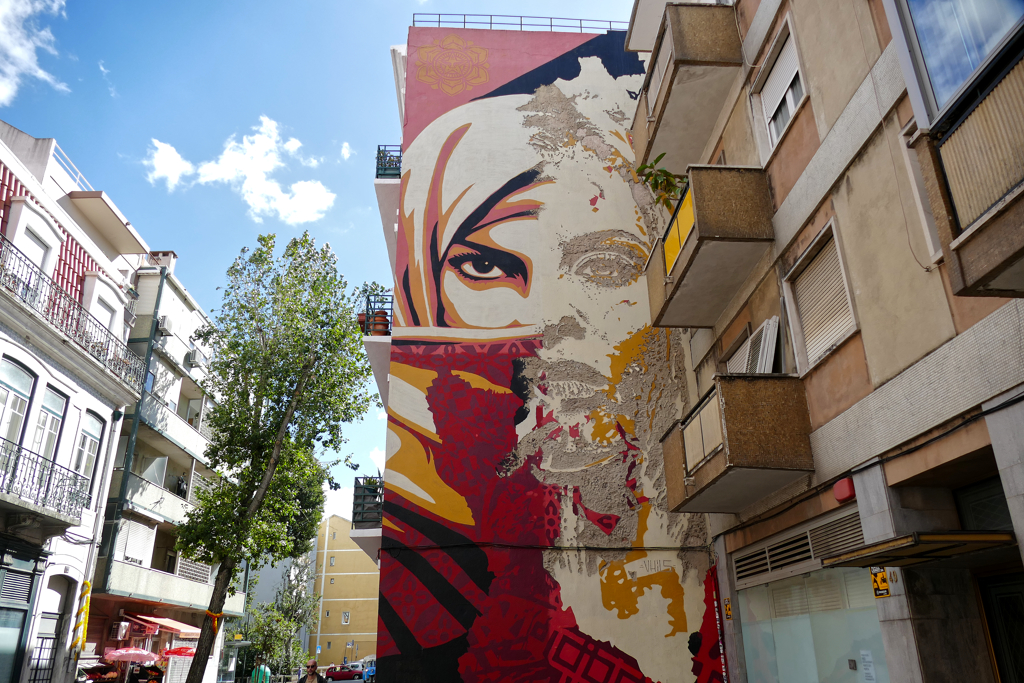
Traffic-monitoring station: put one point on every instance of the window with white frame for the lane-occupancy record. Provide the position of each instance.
(332, 581)
(51, 415)
(15, 390)
(822, 309)
(88, 445)
(781, 87)
(757, 352)
(332, 560)
(951, 39)
(346, 617)
(658, 69)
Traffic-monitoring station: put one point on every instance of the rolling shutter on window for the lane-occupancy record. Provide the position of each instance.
(777, 83)
(822, 303)
(738, 361)
(135, 543)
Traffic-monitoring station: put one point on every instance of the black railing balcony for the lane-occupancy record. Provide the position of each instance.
(379, 315)
(389, 161)
(36, 480)
(23, 280)
(368, 503)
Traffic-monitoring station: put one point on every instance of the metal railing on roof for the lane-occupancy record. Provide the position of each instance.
(515, 23)
(39, 481)
(65, 161)
(23, 280)
(368, 503)
(389, 161)
(379, 316)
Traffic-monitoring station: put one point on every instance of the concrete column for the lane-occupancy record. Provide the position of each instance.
(736, 663)
(931, 624)
(1006, 429)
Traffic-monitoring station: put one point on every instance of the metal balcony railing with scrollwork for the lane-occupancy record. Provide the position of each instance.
(368, 503)
(379, 315)
(389, 161)
(36, 480)
(23, 280)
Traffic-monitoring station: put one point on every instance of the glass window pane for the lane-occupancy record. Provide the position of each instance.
(796, 90)
(16, 378)
(11, 621)
(54, 402)
(957, 35)
(92, 425)
(13, 417)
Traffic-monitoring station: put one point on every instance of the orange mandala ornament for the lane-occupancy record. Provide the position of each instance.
(452, 65)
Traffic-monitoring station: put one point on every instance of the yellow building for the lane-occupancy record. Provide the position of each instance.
(347, 579)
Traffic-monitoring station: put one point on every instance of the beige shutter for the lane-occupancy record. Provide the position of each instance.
(822, 303)
(738, 361)
(777, 83)
(135, 543)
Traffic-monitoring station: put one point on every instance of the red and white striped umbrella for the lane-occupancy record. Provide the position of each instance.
(130, 654)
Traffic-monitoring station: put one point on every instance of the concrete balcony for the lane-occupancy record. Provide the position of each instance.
(152, 500)
(142, 583)
(173, 427)
(748, 437)
(721, 228)
(368, 515)
(980, 184)
(697, 57)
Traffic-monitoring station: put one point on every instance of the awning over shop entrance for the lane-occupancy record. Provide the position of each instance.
(921, 547)
(185, 630)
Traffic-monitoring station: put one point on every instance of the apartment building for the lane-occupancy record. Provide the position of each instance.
(523, 532)
(844, 268)
(347, 582)
(67, 375)
(144, 594)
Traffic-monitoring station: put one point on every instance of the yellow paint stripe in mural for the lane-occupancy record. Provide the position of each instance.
(391, 525)
(417, 377)
(411, 462)
(478, 382)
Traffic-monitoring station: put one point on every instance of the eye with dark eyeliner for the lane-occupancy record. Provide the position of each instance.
(484, 264)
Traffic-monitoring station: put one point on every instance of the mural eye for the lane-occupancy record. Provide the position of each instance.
(481, 269)
(608, 269)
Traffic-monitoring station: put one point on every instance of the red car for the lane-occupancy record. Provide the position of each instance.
(344, 672)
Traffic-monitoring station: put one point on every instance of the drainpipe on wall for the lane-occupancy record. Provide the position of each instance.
(129, 451)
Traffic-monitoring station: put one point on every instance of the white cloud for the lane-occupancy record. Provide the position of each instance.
(346, 151)
(166, 164)
(339, 502)
(106, 76)
(247, 166)
(381, 415)
(377, 456)
(20, 37)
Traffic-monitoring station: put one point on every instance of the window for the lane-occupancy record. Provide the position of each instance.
(48, 424)
(104, 312)
(658, 69)
(345, 617)
(332, 581)
(88, 445)
(757, 352)
(15, 389)
(781, 88)
(816, 289)
(334, 535)
(150, 381)
(35, 249)
(332, 560)
(954, 38)
(328, 645)
(328, 612)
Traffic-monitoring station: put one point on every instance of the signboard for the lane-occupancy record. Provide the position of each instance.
(728, 609)
(880, 582)
(318, 649)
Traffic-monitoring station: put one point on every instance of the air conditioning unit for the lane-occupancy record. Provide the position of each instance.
(195, 359)
(119, 630)
(165, 326)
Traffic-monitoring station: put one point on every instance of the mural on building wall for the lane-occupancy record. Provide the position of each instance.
(525, 531)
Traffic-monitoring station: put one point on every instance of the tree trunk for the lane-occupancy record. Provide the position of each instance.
(207, 636)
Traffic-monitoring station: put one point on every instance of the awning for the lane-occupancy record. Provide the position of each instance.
(185, 630)
(920, 547)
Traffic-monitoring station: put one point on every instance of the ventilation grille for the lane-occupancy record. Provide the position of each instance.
(821, 541)
(17, 587)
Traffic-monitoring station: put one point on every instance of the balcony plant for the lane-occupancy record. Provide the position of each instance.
(667, 187)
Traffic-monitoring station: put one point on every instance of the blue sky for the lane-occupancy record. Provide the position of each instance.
(208, 123)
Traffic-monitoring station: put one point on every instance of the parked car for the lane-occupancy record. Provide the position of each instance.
(345, 672)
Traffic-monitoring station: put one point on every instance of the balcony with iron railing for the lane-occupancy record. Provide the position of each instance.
(377, 319)
(747, 437)
(721, 228)
(24, 282)
(368, 514)
(389, 162)
(507, 22)
(48, 488)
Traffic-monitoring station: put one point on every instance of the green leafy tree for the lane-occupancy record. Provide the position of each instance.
(666, 186)
(288, 369)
